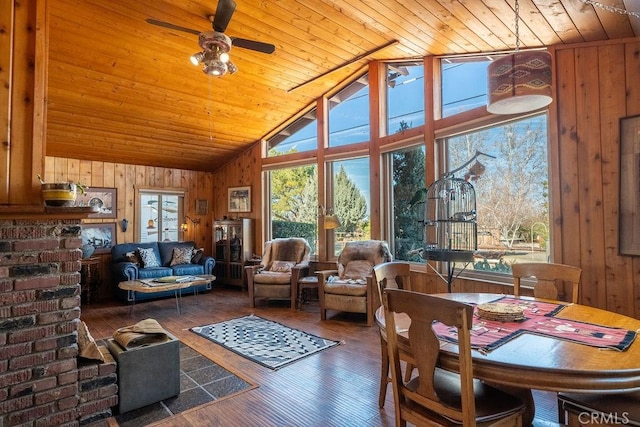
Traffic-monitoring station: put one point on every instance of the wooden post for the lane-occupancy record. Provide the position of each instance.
(23, 65)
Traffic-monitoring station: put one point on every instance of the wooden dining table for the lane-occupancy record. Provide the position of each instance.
(530, 361)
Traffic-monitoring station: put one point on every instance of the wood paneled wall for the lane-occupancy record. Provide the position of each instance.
(126, 178)
(242, 171)
(596, 84)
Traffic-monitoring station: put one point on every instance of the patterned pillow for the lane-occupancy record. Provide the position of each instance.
(132, 257)
(148, 257)
(181, 256)
(282, 266)
(196, 256)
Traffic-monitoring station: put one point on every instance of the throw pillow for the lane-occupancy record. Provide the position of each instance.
(181, 256)
(132, 257)
(148, 257)
(196, 256)
(282, 266)
(357, 269)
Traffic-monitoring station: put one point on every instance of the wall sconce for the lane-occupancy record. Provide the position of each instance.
(151, 224)
(331, 220)
(185, 226)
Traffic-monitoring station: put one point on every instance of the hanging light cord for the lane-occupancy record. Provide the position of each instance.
(609, 8)
(517, 10)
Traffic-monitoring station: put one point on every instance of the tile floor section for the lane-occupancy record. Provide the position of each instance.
(201, 381)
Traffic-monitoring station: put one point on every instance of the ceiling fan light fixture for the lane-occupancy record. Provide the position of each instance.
(214, 41)
(224, 57)
(232, 67)
(215, 67)
(197, 58)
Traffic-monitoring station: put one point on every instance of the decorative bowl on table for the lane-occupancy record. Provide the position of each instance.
(500, 312)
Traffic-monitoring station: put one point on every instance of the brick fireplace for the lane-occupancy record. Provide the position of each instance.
(42, 382)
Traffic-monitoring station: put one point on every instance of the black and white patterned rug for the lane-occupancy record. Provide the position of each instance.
(263, 341)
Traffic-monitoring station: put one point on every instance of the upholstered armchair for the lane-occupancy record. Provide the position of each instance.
(351, 287)
(284, 262)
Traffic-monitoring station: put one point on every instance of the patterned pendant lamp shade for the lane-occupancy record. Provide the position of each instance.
(519, 82)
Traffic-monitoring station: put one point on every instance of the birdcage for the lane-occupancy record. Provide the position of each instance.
(450, 220)
(450, 232)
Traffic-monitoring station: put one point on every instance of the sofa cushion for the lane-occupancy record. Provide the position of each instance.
(166, 250)
(148, 257)
(153, 272)
(188, 269)
(181, 256)
(132, 257)
(196, 256)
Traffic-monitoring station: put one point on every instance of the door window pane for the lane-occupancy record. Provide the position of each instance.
(349, 114)
(511, 191)
(405, 96)
(407, 212)
(351, 198)
(301, 135)
(159, 217)
(294, 203)
(464, 84)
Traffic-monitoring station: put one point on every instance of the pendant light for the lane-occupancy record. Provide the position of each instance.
(519, 82)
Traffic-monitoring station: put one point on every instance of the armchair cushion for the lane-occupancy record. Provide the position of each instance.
(282, 266)
(286, 249)
(357, 269)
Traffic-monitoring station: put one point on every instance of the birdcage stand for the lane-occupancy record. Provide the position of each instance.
(450, 258)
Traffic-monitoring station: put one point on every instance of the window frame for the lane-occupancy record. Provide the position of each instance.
(440, 149)
(141, 191)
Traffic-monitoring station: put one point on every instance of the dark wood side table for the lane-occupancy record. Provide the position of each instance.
(89, 279)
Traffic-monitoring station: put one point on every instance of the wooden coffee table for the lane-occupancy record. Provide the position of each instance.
(148, 286)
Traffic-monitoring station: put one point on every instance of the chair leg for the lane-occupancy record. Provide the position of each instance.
(384, 372)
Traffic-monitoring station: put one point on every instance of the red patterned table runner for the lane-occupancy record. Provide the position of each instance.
(540, 319)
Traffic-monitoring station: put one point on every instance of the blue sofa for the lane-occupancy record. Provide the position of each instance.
(122, 269)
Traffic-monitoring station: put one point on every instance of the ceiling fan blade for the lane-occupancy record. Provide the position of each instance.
(172, 26)
(253, 45)
(224, 11)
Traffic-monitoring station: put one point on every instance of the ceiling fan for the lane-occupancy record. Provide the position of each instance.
(216, 44)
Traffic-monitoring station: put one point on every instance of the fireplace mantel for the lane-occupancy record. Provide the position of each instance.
(41, 212)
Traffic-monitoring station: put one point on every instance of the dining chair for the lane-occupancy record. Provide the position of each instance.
(437, 396)
(391, 275)
(577, 409)
(549, 279)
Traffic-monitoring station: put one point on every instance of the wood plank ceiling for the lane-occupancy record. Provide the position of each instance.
(122, 90)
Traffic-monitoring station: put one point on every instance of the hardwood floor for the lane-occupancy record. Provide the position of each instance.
(336, 387)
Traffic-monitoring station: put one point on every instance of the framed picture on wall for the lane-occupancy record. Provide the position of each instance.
(102, 236)
(629, 240)
(239, 199)
(202, 207)
(104, 199)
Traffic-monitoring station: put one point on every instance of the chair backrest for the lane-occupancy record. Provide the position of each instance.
(358, 258)
(392, 275)
(550, 279)
(423, 310)
(291, 249)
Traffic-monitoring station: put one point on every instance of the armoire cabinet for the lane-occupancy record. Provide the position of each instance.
(232, 247)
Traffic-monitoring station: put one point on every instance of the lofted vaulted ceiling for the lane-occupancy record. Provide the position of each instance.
(122, 90)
